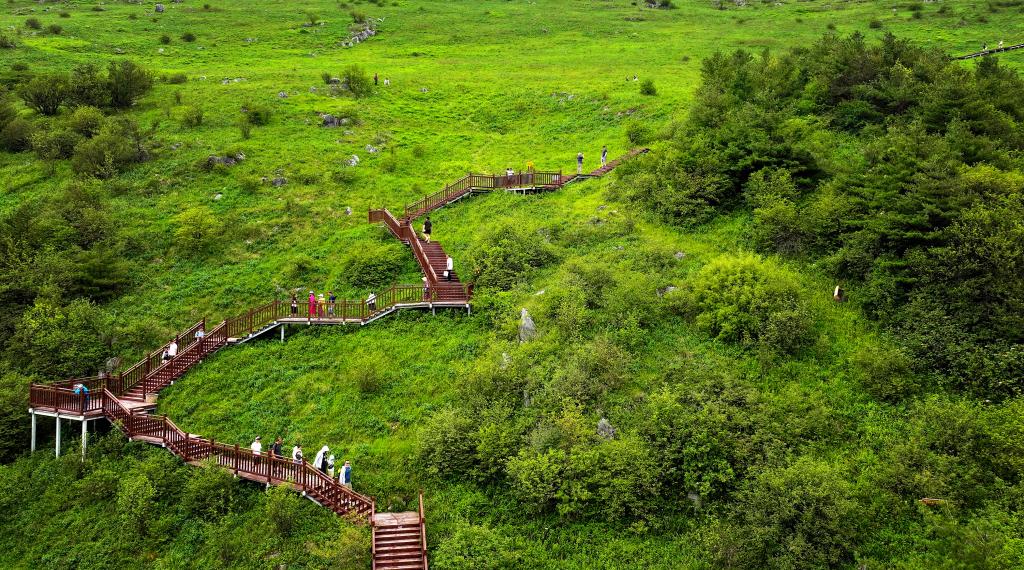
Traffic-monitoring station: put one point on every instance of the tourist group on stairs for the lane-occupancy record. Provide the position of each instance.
(323, 462)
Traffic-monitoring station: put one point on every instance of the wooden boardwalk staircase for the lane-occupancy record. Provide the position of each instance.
(127, 399)
(991, 51)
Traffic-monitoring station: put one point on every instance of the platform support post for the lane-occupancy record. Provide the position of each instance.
(32, 444)
(57, 445)
(85, 436)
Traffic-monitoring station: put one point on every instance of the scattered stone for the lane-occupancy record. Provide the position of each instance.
(680, 255)
(605, 429)
(348, 211)
(505, 360)
(218, 196)
(601, 207)
(334, 81)
(312, 89)
(662, 291)
(227, 160)
(352, 161)
(371, 149)
(159, 8)
(329, 120)
(250, 40)
(112, 363)
(527, 328)
(278, 181)
(538, 293)
(176, 146)
(424, 90)
(619, 248)
(161, 50)
(695, 499)
(282, 94)
(119, 51)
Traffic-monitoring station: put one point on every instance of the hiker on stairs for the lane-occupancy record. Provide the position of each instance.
(449, 265)
(371, 301)
(345, 476)
(604, 156)
(320, 461)
(427, 227)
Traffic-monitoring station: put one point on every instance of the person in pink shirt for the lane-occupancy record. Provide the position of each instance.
(312, 305)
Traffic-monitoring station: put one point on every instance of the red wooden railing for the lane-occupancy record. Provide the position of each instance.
(423, 531)
(471, 182)
(242, 462)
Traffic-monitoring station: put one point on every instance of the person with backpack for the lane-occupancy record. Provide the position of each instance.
(82, 390)
(345, 476)
(579, 163)
(449, 266)
(297, 454)
(427, 227)
(604, 156)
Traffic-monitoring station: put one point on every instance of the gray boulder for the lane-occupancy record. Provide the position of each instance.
(605, 429)
(159, 8)
(527, 328)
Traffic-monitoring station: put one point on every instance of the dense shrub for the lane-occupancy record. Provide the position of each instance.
(801, 516)
(503, 256)
(258, 114)
(885, 372)
(45, 93)
(750, 301)
(127, 81)
(88, 87)
(107, 153)
(55, 143)
(446, 444)
(16, 135)
(188, 37)
(192, 117)
(165, 39)
(54, 29)
(33, 24)
(476, 547)
(7, 42)
(374, 266)
(647, 87)
(176, 78)
(197, 232)
(356, 81)
(86, 121)
(58, 341)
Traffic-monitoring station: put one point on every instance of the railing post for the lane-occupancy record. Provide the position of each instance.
(235, 461)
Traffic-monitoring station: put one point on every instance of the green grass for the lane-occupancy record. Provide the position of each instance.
(506, 83)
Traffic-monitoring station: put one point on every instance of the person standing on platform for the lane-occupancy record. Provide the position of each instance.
(579, 163)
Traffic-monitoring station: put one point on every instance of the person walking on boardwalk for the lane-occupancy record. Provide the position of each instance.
(83, 391)
(320, 461)
(604, 156)
(371, 301)
(529, 172)
(312, 305)
(428, 226)
(449, 266)
(331, 299)
(297, 454)
(321, 305)
(579, 163)
(172, 350)
(257, 446)
(330, 467)
(345, 477)
(275, 449)
(295, 306)
(200, 334)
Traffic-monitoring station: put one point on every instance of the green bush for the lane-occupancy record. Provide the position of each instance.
(746, 300)
(127, 81)
(188, 37)
(192, 117)
(104, 155)
(638, 133)
(176, 78)
(16, 135)
(7, 42)
(504, 255)
(33, 24)
(801, 516)
(197, 231)
(60, 342)
(45, 93)
(165, 39)
(374, 266)
(283, 510)
(259, 114)
(356, 81)
(64, 14)
(56, 143)
(87, 121)
(88, 87)
(885, 372)
(647, 87)
(474, 547)
(54, 29)
(445, 444)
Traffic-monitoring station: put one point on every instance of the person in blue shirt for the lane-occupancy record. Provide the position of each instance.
(82, 390)
(345, 476)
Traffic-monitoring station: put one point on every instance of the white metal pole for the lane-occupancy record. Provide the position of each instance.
(57, 447)
(33, 444)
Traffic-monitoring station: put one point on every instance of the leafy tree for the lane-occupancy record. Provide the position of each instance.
(355, 79)
(60, 342)
(45, 93)
(126, 82)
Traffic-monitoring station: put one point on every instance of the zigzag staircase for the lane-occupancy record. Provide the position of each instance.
(127, 399)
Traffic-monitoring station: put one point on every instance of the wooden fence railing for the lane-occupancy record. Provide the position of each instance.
(240, 461)
(472, 182)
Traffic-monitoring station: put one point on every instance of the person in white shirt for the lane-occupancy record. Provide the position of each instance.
(172, 350)
(320, 461)
(371, 301)
(200, 334)
(297, 453)
(256, 446)
(449, 264)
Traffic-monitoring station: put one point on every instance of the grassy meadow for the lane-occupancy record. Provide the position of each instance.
(475, 86)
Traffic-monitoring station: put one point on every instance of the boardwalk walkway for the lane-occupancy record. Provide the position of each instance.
(128, 398)
(992, 51)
